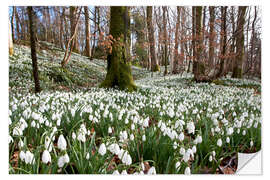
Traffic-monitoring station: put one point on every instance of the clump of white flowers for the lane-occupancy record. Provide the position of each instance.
(191, 127)
(63, 160)
(82, 133)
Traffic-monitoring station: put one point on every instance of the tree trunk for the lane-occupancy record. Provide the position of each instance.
(118, 68)
(72, 13)
(154, 65)
(95, 32)
(12, 25)
(17, 23)
(165, 39)
(10, 41)
(232, 48)
(176, 43)
(87, 32)
(237, 70)
(61, 38)
(198, 66)
(223, 40)
(211, 36)
(32, 32)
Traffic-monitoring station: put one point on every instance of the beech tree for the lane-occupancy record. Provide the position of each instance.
(118, 64)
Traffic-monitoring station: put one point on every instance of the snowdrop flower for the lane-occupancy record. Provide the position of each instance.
(228, 140)
(17, 131)
(123, 135)
(22, 155)
(186, 156)
(61, 143)
(177, 165)
(33, 124)
(124, 172)
(72, 112)
(145, 122)
(194, 149)
(181, 136)
(210, 158)
(187, 171)
(48, 143)
(244, 133)
(10, 139)
(102, 149)
(61, 162)
(46, 157)
(152, 171)
(143, 138)
(132, 126)
(109, 130)
(81, 137)
(73, 136)
(29, 158)
(219, 142)
(131, 137)
(87, 156)
(175, 145)
(230, 131)
(66, 158)
(182, 151)
(214, 153)
(142, 165)
(199, 139)
(20, 144)
(190, 127)
(116, 172)
(114, 148)
(251, 143)
(127, 159)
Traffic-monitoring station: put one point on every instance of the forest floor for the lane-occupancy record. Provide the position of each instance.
(169, 125)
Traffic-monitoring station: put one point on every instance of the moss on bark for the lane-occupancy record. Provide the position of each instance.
(118, 68)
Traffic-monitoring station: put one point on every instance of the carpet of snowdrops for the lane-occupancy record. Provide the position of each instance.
(169, 125)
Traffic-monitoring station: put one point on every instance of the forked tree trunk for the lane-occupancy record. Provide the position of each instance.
(32, 32)
(118, 68)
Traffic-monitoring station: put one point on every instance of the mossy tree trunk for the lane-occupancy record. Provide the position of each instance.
(237, 69)
(118, 65)
(32, 32)
(151, 38)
